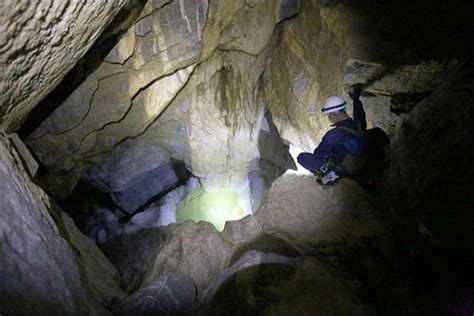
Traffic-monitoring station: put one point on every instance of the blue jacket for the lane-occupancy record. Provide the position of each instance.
(338, 141)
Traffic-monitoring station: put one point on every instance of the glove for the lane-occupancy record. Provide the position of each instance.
(355, 91)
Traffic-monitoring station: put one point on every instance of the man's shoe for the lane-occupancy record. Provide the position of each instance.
(329, 178)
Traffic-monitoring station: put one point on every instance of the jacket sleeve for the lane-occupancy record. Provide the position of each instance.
(359, 115)
(324, 148)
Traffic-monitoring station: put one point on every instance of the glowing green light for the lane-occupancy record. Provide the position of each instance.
(214, 207)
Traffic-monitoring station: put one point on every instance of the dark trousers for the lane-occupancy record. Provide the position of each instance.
(311, 163)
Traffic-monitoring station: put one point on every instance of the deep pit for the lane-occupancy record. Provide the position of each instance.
(148, 158)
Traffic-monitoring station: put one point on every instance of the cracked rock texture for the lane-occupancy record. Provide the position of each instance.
(196, 82)
(40, 42)
(202, 63)
(169, 293)
(40, 273)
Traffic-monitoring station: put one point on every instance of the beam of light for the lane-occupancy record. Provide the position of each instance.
(215, 207)
(294, 152)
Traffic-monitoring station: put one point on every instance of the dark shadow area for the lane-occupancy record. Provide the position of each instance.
(429, 190)
(87, 203)
(415, 31)
(251, 291)
(83, 202)
(84, 67)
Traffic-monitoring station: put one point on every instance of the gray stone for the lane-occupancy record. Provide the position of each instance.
(132, 254)
(144, 26)
(127, 161)
(27, 159)
(248, 259)
(97, 273)
(305, 214)
(274, 160)
(191, 249)
(39, 272)
(269, 284)
(258, 186)
(243, 231)
(142, 189)
(289, 8)
(39, 47)
(167, 294)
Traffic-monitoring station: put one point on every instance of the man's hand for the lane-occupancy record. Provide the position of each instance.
(354, 91)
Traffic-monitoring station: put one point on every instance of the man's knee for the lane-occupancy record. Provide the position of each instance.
(308, 161)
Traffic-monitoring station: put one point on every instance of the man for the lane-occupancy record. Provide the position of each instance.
(327, 160)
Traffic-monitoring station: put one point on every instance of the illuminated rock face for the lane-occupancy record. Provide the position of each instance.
(202, 64)
(41, 42)
(195, 81)
(326, 49)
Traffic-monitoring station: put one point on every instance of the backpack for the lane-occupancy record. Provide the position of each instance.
(373, 138)
(373, 162)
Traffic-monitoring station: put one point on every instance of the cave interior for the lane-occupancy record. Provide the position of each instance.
(148, 158)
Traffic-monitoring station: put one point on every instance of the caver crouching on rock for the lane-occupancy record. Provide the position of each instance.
(348, 149)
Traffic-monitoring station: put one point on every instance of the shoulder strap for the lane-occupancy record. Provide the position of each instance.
(350, 130)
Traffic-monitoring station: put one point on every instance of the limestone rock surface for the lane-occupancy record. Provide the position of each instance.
(167, 294)
(303, 213)
(119, 101)
(190, 249)
(132, 255)
(97, 273)
(39, 272)
(41, 41)
(249, 259)
(144, 188)
(282, 286)
(330, 46)
(183, 79)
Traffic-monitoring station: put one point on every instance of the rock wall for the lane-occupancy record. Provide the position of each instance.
(202, 63)
(332, 45)
(340, 241)
(46, 266)
(41, 41)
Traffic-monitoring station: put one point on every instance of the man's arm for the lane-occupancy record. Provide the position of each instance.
(358, 113)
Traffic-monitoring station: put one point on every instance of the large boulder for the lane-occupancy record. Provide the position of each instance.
(304, 214)
(270, 284)
(39, 271)
(190, 249)
(41, 42)
(248, 259)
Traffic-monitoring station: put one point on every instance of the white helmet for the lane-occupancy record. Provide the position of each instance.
(334, 104)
